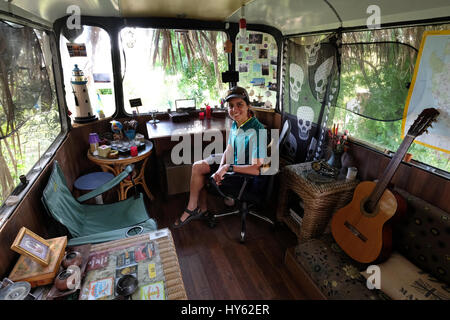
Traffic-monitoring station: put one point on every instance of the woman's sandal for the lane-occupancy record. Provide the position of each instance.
(193, 214)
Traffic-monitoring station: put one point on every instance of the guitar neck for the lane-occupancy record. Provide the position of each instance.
(389, 172)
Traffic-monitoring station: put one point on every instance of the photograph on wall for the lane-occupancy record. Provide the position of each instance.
(272, 86)
(258, 82)
(265, 68)
(255, 38)
(257, 67)
(263, 53)
(273, 60)
(243, 67)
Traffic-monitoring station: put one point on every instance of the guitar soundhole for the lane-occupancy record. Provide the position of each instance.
(366, 206)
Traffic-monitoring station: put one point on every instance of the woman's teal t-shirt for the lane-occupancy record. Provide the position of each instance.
(249, 141)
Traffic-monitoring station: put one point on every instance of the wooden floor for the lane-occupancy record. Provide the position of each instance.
(216, 266)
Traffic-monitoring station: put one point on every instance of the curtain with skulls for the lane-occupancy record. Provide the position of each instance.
(310, 88)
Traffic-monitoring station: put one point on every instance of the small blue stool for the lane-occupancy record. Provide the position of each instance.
(92, 181)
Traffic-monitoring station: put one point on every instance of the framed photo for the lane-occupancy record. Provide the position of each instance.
(33, 246)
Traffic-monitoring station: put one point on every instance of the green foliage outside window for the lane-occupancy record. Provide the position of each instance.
(374, 83)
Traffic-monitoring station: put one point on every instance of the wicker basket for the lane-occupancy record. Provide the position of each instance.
(320, 200)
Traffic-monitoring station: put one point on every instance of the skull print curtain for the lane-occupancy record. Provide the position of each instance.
(310, 88)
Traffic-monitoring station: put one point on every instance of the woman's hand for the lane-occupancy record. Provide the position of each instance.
(218, 175)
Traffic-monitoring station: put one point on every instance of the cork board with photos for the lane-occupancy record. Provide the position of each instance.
(256, 57)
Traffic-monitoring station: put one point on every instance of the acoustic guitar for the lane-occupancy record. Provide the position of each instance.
(360, 228)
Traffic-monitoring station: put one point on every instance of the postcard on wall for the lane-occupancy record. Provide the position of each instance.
(258, 82)
(105, 91)
(255, 38)
(77, 49)
(265, 68)
(273, 60)
(243, 67)
(256, 67)
(102, 77)
(272, 86)
(263, 53)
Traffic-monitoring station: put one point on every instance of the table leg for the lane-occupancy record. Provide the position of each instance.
(140, 179)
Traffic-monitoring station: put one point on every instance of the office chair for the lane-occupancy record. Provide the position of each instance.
(255, 191)
(95, 223)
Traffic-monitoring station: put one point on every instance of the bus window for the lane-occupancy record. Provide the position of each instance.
(377, 68)
(29, 115)
(161, 66)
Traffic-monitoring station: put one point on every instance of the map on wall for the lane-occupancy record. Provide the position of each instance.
(430, 87)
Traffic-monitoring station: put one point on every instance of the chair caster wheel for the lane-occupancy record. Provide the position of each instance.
(212, 223)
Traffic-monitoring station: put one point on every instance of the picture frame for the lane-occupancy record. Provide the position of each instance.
(33, 246)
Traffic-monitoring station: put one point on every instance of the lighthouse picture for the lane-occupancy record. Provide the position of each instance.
(84, 112)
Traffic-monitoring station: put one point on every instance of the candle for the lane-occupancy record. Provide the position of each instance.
(133, 151)
(208, 112)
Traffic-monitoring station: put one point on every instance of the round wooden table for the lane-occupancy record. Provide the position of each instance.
(116, 166)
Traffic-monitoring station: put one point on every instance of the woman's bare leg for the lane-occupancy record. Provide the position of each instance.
(199, 171)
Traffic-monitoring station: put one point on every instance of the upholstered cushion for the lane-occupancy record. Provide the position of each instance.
(334, 273)
(423, 237)
(402, 280)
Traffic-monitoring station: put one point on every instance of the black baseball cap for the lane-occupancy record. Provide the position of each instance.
(237, 92)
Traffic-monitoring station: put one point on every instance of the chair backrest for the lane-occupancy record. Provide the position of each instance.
(284, 134)
(60, 203)
(266, 181)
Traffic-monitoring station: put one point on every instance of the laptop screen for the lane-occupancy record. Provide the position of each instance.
(185, 104)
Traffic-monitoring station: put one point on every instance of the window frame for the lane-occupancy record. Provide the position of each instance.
(113, 26)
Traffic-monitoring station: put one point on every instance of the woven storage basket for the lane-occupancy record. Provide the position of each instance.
(320, 200)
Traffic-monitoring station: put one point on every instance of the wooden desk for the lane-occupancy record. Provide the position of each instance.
(162, 131)
(116, 166)
(161, 134)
